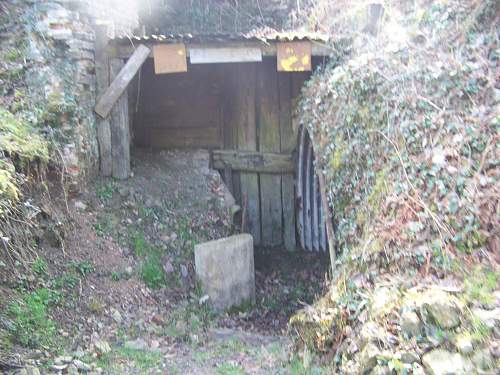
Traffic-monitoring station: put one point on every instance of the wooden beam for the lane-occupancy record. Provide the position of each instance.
(120, 83)
(287, 145)
(246, 139)
(120, 132)
(269, 141)
(253, 161)
(224, 55)
(188, 137)
(102, 81)
(317, 49)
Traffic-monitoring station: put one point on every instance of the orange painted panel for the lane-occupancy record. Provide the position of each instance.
(170, 58)
(294, 56)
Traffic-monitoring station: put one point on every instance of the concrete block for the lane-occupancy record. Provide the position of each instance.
(225, 269)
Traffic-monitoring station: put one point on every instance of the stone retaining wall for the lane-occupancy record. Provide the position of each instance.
(62, 71)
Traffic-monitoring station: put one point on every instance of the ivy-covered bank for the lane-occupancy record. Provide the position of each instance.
(406, 132)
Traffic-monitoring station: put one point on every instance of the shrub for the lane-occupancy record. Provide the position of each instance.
(32, 326)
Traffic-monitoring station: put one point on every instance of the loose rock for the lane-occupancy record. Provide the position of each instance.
(410, 324)
(438, 305)
(442, 362)
(102, 347)
(464, 345)
(483, 360)
(368, 357)
(137, 344)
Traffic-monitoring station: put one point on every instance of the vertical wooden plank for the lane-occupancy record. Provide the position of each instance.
(246, 128)
(269, 137)
(102, 80)
(298, 80)
(120, 133)
(287, 145)
(229, 78)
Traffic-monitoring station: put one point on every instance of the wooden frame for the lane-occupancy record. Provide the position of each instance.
(253, 161)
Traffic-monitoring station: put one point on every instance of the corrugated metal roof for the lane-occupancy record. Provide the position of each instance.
(262, 35)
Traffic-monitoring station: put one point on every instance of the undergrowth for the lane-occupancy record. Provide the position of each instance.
(406, 132)
(31, 324)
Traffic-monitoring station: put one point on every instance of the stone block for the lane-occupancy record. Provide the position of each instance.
(225, 269)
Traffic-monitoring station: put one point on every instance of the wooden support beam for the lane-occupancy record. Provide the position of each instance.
(246, 139)
(268, 49)
(307, 197)
(269, 141)
(102, 80)
(120, 132)
(120, 83)
(188, 137)
(225, 55)
(253, 161)
(287, 145)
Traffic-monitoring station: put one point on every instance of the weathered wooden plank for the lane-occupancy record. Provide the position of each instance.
(228, 75)
(298, 80)
(253, 161)
(287, 145)
(267, 49)
(228, 178)
(247, 140)
(269, 136)
(208, 55)
(121, 81)
(120, 132)
(102, 81)
(162, 137)
(307, 198)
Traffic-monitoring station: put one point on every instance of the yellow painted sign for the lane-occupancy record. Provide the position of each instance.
(294, 56)
(170, 58)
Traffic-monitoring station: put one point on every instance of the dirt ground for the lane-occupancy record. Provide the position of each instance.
(116, 318)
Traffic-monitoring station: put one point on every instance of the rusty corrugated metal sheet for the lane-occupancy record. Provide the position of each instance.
(263, 35)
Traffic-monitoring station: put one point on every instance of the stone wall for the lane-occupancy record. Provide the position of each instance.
(62, 73)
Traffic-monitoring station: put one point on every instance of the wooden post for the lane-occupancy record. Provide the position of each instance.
(247, 140)
(287, 145)
(120, 133)
(102, 78)
(121, 80)
(307, 196)
(269, 138)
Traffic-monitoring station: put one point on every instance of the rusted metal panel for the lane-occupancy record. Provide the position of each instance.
(294, 56)
(170, 58)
